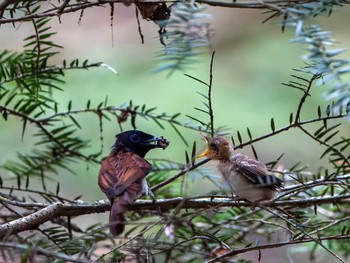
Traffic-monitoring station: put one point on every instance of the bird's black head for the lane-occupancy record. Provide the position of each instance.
(138, 142)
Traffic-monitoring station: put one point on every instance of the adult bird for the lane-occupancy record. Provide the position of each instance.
(248, 178)
(122, 176)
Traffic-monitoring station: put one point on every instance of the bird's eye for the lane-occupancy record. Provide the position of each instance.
(213, 145)
(134, 138)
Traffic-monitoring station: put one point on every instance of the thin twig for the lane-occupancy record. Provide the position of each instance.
(303, 98)
(274, 245)
(50, 136)
(128, 241)
(139, 29)
(210, 86)
(335, 150)
(181, 173)
(300, 228)
(75, 7)
(286, 128)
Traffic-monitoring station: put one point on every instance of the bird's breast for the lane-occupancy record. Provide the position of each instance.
(240, 186)
(231, 176)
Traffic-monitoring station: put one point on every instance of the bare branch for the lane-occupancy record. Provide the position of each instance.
(51, 211)
(67, 7)
(274, 245)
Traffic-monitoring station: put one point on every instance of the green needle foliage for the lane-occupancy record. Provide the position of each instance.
(188, 30)
(38, 221)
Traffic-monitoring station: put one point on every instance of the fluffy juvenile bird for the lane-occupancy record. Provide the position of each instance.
(247, 178)
(122, 176)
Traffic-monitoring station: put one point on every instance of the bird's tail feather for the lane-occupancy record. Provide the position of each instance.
(116, 217)
(119, 207)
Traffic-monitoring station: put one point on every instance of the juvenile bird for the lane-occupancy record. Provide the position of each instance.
(247, 178)
(122, 176)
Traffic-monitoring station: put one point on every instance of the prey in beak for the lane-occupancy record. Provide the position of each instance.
(159, 142)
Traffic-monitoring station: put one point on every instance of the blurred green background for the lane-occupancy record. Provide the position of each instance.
(251, 62)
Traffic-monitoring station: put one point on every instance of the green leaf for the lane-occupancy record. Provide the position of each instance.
(69, 105)
(3, 94)
(193, 154)
(10, 99)
(27, 181)
(323, 133)
(179, 134)
(331, 136)
(74, 121)
(24, 127)
(233, 142)
(158, 123)
(4, 114)
(327, 151)
(71, 65)
(334, 52)
(249, 134)
(239, 137)
(318, 130)
(187, 158)
(254, 152)
(197, 120)
(272, 125)
(150, 110)
(18, 182)
(291, 118)
(57, 188)
(175, 116)
(43, 180)
(196, 79)
(319, 113)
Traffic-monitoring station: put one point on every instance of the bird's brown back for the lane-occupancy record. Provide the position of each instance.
(122, 170)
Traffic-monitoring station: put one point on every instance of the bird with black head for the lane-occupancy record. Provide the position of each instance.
(248, 178)
(122, 175)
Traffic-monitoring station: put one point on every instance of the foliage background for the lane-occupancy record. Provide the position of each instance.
(251, 62)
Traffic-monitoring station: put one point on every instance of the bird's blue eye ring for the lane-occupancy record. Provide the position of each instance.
(134, 138)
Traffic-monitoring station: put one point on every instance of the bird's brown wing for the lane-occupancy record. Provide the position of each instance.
(255, 171)
(120, 178)
(119, 172)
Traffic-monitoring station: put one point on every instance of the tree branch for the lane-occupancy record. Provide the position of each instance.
(51, 211)
(65, 8)
(274, 245)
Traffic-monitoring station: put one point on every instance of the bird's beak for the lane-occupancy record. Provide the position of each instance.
(207, 152)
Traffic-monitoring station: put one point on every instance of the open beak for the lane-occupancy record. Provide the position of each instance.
(207, 152)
